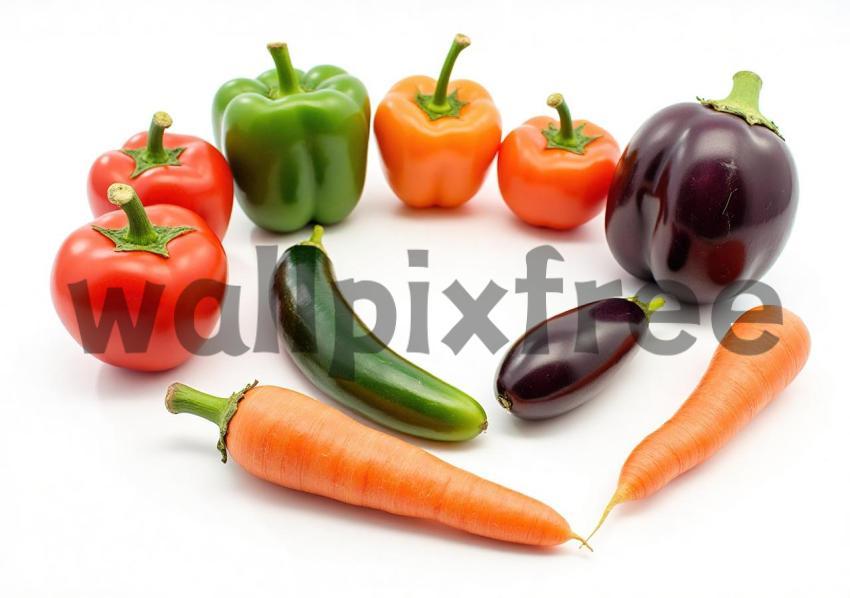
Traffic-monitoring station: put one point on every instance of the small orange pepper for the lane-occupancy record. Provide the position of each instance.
(437, 138)
(556, 174)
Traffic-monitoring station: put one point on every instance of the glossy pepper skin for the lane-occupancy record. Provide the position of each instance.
(568, 359)
(437, 138)
(164, 245)
(180, 170)
(296, 142)
(704, 196)
(556, 174)
(310, 311)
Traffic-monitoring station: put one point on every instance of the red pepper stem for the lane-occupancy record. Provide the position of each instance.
(287, 78)
(140, 231)
(155, 149)
(438, 100)
(566, 134)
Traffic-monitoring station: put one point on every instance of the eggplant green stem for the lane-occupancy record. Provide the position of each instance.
(438, 100)
(743, 101)
(287, 78)
(140, 231)
(650, 308)
(219, 410)
(155, 148)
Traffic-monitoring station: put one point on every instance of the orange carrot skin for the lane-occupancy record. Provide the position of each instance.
(732, 391)
(298, 442)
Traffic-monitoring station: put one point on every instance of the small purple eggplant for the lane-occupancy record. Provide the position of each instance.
(565, 361)
(704, 196)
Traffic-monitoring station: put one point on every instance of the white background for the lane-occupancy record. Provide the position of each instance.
(103, 493)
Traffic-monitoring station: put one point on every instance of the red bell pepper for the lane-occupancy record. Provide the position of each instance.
(155, 274)
(181, 170)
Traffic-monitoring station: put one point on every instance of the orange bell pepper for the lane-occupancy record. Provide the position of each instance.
(437, 138)
(557, 175)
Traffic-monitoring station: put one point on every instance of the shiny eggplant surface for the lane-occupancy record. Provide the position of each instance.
(565, 361)
(703, 197)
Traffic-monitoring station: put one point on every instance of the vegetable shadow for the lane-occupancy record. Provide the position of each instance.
(119, 383)
(584, 234)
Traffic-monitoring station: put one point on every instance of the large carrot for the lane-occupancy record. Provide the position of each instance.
(292, 440)
(741, 379)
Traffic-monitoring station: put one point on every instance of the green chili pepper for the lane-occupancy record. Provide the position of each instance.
(338, 353)
(296, 142)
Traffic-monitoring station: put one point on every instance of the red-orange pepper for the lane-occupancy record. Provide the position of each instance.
(555, 174)
(437, 139)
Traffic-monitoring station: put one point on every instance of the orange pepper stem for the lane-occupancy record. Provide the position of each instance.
(565, 137)
(565, 133)
(438, 100)
(287, 78)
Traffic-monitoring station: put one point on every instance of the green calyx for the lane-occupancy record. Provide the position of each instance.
(219, 410)
(287, 76)
(565, 137)
(315, 239)
(441, 104)
(650, 308)
(139, 234)
(743, 101)
(155, 153)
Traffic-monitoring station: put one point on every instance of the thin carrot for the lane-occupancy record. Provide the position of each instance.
(736, 386)
(292, 440)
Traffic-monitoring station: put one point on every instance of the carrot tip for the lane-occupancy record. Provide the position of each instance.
(584, 543)
(615, 500)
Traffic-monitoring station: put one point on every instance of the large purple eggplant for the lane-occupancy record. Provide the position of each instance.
(704, 196)
(565, 361)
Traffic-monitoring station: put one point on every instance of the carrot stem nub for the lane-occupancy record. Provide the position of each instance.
(219, 410)
(185, 399)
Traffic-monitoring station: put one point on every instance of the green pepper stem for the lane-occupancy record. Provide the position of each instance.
(287, 78)
(185, 399)
(155, 149)
(565, 133)
(140, 231)
(438, 100)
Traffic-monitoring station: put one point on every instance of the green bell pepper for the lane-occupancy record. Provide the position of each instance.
(296, 142)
